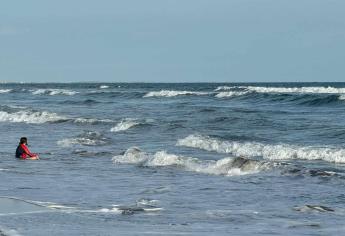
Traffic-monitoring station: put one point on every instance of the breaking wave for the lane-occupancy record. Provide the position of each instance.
(231, 94)
(53, 92)
(318, 90)
(225, 166)
(125, 124)
(30, 117)
(300, 95)
(5, 90)
(103, 86)
(266, 151)
(88, 138)
(91, 121)
(172, 93)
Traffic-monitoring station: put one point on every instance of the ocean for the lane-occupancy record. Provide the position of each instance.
(173, 159)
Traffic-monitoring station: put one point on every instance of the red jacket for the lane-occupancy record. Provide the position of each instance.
(26, 151)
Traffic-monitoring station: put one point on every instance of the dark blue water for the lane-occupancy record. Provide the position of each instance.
(173, 159)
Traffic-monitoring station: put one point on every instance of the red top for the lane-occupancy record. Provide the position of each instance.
(26, 152)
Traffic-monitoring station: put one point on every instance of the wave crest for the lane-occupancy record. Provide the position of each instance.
(231, 94)
(225, 166)
(30, 117)
(5, 90)
(125, 124)
(267, 151)
(262, 89)
(53, 92)
(172, 93)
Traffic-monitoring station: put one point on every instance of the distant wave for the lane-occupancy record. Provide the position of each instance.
(267, 151)
(319, 90)
(225, 166)
(81, 102)
(53, 92)
(231, 94)
(5, 90)
(103, 86)
(30, 117)
(300, 95)
(221, 88)
(172, 93)
(87, 138)
(91, 121)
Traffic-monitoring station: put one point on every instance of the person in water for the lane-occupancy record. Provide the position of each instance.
(23, 151)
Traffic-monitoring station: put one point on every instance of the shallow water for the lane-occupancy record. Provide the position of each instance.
(164, 159)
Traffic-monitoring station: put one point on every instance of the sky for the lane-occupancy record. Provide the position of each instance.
(172, 41)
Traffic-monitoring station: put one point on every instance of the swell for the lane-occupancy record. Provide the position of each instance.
(296, 98)
(266, 151)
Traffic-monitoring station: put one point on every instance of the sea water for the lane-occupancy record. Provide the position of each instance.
(173, 159)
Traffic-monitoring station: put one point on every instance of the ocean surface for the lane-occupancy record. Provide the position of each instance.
(173, 159)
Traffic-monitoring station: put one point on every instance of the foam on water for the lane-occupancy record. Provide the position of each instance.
(114, 209)
(103, 86)
(225, 166)
(8, 232)
(341, 97)
(125, 124)
(30, 117)
(53, 92)
(221, 88)
(267, 151)
(231, 94)
(172, 93)
(88, 138)
(5, 90)
(91, 121)
(319, 90)
(312, 90)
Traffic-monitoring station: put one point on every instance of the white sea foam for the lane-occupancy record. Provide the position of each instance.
(8, 232)
(312, 90)
(231, 94)
(103, 86)
(89, 138)
(5, 90)
(225, 166)
(125, 124)
(317, 90)
(341, 97)
(221, 88)
(53, 92)
(30, 117)
(92, 121)
(172, 93)
(267, 151)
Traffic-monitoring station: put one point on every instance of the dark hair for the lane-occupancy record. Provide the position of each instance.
(23, 140)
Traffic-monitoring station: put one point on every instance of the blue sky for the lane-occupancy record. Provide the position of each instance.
(172, 40)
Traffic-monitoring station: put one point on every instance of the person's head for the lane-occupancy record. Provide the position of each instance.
(23, 140)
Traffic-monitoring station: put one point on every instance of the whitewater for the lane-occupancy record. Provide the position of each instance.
(173, 159)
